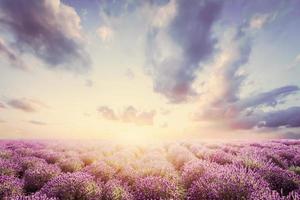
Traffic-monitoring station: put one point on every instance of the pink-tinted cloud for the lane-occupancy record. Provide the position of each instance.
(129, 115)
(89, 83)
(107, 113)
(129, 74)
(2, 105)
(39, 123)
(26, 105)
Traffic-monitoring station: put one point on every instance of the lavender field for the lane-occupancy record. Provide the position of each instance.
(186, 170)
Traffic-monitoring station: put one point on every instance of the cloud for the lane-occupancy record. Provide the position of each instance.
(164, 14)
(26, 105)
(247, 113)
(164, 111)
(11, 56)
(220, 101)
(48, 29)
(225, 78)
(129, 115)
(40, 123)
(89, 83)
(129, 74)
(107, 113)
(271, 98)
(2, 105)
(2, 121)
(274, 119)
(105, 33)
(289, 117)
(260, 20)
(295, 63)
(290, 135)
(178, 43)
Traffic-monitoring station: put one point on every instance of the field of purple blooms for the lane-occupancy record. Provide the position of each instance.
(53, 170)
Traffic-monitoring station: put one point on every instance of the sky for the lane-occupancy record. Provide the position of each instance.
(149, 70)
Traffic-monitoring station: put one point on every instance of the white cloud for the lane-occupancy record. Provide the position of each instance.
(164, 14)
(105, 33)
(129, 74)
(258, 21)
(295, 63)
(11, 56)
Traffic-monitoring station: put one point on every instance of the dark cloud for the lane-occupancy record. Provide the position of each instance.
(289, 118)
(129, 115)
(247, 113)
(222, 98)
(190, 31)
(47, 28)
(40, 123)
(291, 135)
(26, 105)
(271, 98)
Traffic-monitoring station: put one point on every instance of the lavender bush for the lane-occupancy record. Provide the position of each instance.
(10, 187)
(36, 177)
(71, 186)
(116, 190)
(191, 170)
(156, 188)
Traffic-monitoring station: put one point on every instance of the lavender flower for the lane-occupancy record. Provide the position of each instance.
(36, 196)
(10, 186)
(228, 183)
(127, 174)
(156, 188)
(70, 164)
(280, 180)
(196, 169)
(90, 157)
(30, 162)
(179, 155)
(295, 169)
(220, 157)
(296, 160)
(5, 153)
(191, 170)
(36, 177)
(72, 186)
(116, 190)
(10, 168)
(100, 170)
(49, 155)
